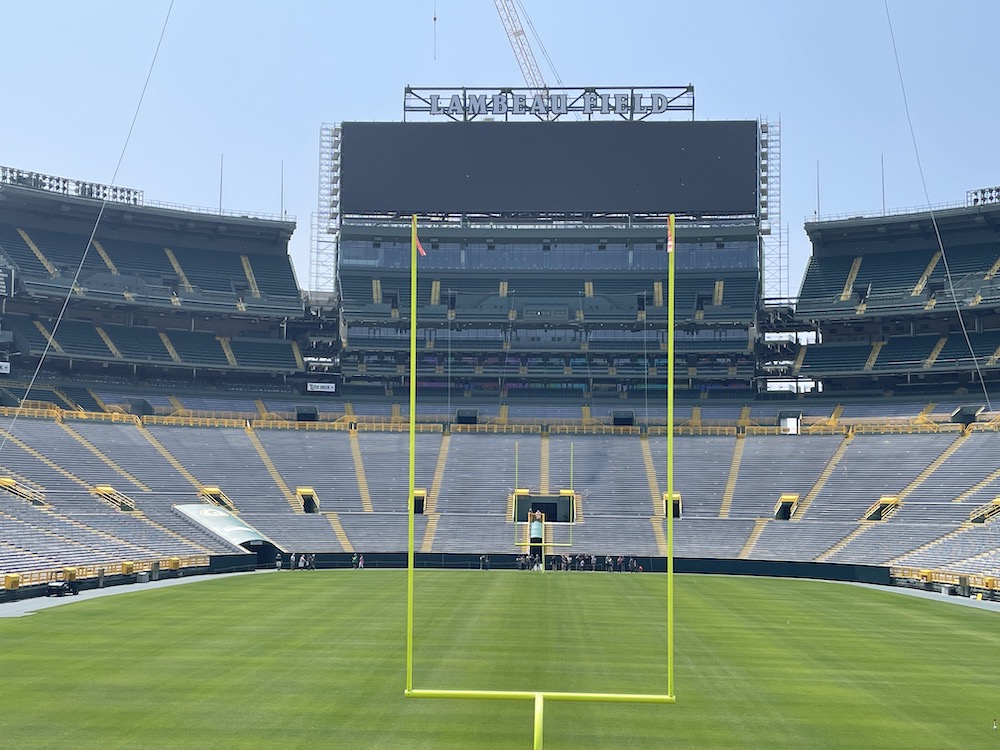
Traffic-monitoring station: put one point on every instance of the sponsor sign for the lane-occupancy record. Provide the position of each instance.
(625, 102)
(321, 387)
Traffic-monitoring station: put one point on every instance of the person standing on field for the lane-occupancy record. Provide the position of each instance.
(536, 533)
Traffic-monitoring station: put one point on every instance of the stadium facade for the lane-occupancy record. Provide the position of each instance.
(189, 366)
(894, 314)
(160, 292)
(546, 260)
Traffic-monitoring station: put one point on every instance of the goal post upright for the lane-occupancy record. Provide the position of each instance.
(412, 451)
(669, 512)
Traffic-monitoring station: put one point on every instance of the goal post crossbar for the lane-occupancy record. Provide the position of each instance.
(526, 695)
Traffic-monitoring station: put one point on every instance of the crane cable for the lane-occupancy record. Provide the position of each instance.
(930, 209)
(539, 42)
(93, 232)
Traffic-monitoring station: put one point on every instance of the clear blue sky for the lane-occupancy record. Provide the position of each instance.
(254, 80)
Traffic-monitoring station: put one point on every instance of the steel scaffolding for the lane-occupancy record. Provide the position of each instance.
(326, 221)
(775, 251)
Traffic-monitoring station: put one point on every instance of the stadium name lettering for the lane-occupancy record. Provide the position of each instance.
(547, 104)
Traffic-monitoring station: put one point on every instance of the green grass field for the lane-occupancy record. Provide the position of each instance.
(317, 660)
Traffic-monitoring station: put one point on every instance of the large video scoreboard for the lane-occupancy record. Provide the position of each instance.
(565, 167)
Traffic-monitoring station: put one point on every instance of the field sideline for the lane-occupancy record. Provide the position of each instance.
(316, 659)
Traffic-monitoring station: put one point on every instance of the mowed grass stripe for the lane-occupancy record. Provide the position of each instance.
(544, 627)
(316, 659)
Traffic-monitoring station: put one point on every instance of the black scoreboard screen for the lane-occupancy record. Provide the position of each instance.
(696, 168)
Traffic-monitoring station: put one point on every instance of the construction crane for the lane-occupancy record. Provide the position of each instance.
(522, 47)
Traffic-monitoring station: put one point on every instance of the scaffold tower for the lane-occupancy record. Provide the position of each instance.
(326, 221)
(775, 251)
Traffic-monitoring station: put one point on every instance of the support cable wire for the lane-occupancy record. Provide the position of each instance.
(930, 209)
(545, 52)
(90, 240)
(539, 42)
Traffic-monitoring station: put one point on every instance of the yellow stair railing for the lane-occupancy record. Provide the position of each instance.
(97, 399)
(922, 281)
(272, 470)
(171, 459)
(48, 336)
(933, 466)
(169, 346)
(932, 357)
(103, 457)
(800, 357)
(734, 471)
(251, 279)
(873, 356)
(359, 472)
(297, 353)
(863, 526)
(14, 440)
(227, 350)
(845, 294)
(53, 271)
(427, 544)
(759, 525)
(338, 531)
(19, 487)
(175, 264)
(112, 347)
(651, 480)
(105, 257)
(430, 509)
(659, 534)
(825, 475)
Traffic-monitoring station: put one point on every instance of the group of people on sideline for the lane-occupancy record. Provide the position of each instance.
(577, 562)
(305, 561)
(301, 561)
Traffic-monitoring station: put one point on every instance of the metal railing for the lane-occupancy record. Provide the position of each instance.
(508, 429)
(229, 213)
(438, 422)
(45, 575)
(194, 421)
(67, 186)
(945, 576)
(594, 429)
(878, 214)
(113, 194)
